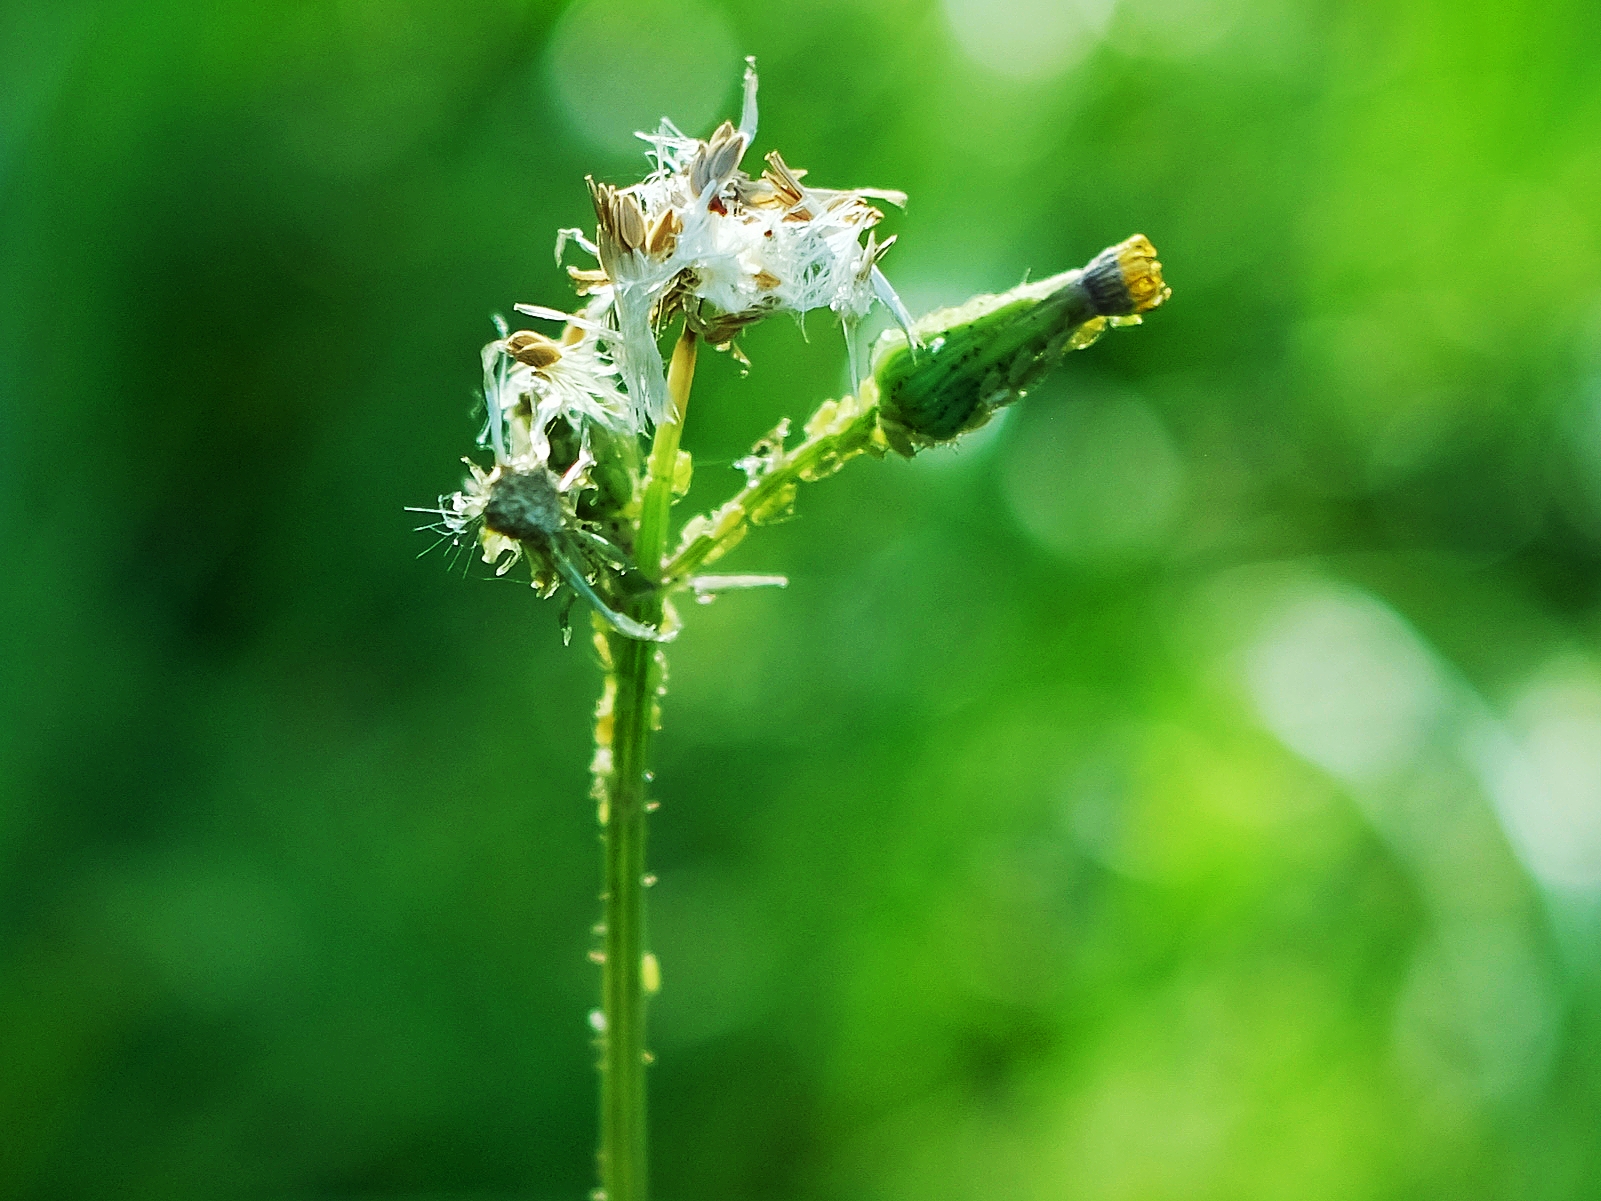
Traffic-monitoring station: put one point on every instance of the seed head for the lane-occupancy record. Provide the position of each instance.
(532, 382)
(698, 237)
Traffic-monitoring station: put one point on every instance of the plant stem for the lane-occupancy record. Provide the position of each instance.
(838, 432)
(636, 676)
(658, 500)
(622, 1069)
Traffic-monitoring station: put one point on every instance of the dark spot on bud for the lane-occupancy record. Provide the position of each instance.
(1103, 280)
(525, 506)
(1126, 279)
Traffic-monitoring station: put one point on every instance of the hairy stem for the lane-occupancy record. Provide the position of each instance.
(636, 674)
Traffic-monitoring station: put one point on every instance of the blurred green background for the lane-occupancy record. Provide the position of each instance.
(1188, 788)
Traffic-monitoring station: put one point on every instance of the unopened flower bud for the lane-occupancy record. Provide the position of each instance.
(989, 352)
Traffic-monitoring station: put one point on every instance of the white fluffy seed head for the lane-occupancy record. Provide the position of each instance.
(699, 237)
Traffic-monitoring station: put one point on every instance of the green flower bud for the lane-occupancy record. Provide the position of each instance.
(982, 356)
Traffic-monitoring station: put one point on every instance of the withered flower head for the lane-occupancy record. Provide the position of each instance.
(700, 238)
(532, 381)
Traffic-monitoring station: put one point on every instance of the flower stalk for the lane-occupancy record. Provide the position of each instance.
(664, 473)
(633, 688)
(622, 1154)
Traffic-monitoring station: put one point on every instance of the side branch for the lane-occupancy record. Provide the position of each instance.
(838, 431)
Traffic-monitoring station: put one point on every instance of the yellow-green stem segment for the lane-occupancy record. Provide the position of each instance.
(637, 668)
(656, 507)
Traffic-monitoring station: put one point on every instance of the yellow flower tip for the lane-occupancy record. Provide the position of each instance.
(1142, 273)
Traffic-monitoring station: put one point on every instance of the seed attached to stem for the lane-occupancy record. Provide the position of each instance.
(535, 350)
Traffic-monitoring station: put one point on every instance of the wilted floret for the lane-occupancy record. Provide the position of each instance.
(539, 390)
(531, 381)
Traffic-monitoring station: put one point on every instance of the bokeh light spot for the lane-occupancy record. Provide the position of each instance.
(617, 67)
(1345, 683)
(1028, 39)
(1094, 479)
(1547, 781)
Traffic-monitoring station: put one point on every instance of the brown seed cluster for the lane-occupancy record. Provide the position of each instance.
(622, 228)
(780, 187)
(702, 239)
(718, 157)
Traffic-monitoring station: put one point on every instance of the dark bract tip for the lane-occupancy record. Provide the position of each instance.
(524, 505)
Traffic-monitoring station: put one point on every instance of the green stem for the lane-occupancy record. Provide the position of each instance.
(838, 432)
(622, 1068)
(657, 505)
(636, 669)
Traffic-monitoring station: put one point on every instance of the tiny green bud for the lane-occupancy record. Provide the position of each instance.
(989, 352)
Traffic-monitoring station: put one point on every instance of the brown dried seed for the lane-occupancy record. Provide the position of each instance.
(630, 220)
(600, 195)
(767, 281)
(700, 171)
(664, 233)
(727, 158)
(607, 243)
(717, 158)
(590, 287)
(785, 178)
(780, 172)
(536, 350)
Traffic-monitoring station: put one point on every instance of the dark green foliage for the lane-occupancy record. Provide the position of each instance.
(982, 872)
